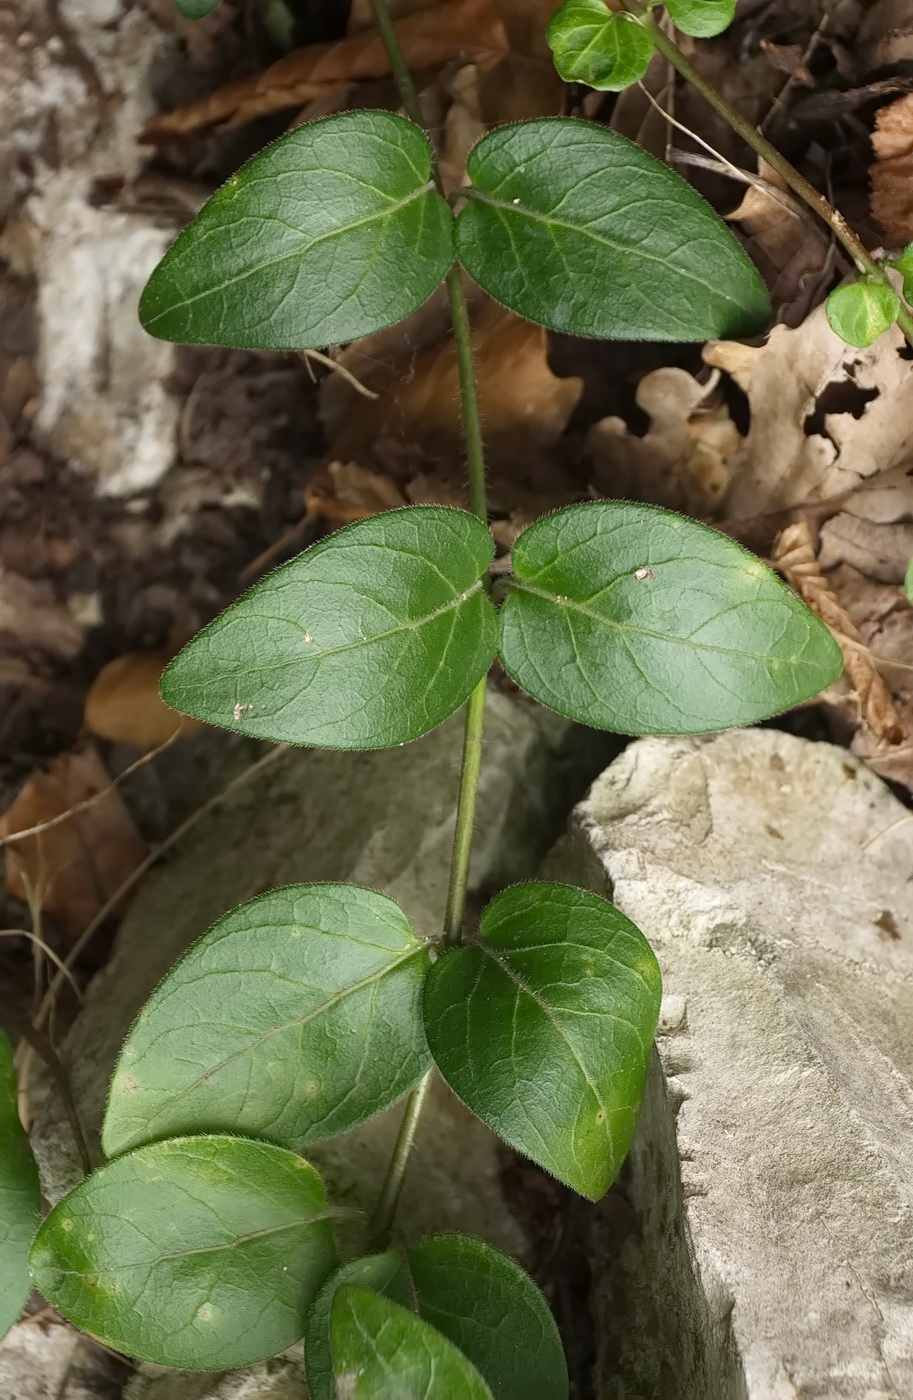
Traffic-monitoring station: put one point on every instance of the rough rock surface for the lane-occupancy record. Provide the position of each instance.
(760, 1241)
(380, 819)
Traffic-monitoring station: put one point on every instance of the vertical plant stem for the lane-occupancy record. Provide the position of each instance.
(385, 1212)
(845, 235)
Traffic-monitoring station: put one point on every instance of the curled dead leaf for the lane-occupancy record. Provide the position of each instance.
(345, 492)
(892, 172)
(124, 706)
(74, 866)
(467, 29)
(790, 246)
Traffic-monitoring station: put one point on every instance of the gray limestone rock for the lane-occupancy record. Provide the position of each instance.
(759, 1244)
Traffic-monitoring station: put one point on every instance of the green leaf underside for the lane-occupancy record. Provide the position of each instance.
(576, 228)
(366, 640)
(201, 1252)
(544, 1027)
(20, 1197)
(861, 312)
(635, 619)
(310, 242)
(476, 1297)
(296, 1017)
(592, 44)
(382, 1350)
(701, 18)
(196, 9)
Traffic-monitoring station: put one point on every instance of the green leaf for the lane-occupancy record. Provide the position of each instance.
(632, 618)
(591, 44)
(370, 638)
(201, 1252)
(908, 582)
(381, 1350)
(861, 312)
(20, 1197)
(196, 9)
(332, 232)
(701, 18)
(578, 229)
(543, 1027)
(904, 265)
(475, 1296)
(295, 1017)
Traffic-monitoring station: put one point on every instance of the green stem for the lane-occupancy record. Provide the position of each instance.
(759, 143)
(384, 1215)
(392, 1189)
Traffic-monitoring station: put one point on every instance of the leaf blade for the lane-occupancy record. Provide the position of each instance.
(20, 1197)
(591, 44)
(296, 1017)
(634, 253)
(544, 1028)
(366, 640)
(380, 1349)
(224, 1241)
(862, 311)
(634, 619)
(702, 19)
(300, 248)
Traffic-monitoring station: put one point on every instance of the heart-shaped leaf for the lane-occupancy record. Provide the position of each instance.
(295, 1017)
(543, 1027)
(600, 47)
(632, 618)
(575, 227)
(475, 1296)
(202, 1252)
(701, 18)
(20, 1197)
(862, 311)
(332, 232)
(370, 638)
(382, 1350)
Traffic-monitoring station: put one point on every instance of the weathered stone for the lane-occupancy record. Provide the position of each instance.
(760, 1241)
(379, 819)
(46, 1359)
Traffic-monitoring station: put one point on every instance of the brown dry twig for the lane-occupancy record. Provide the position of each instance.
(795, 556)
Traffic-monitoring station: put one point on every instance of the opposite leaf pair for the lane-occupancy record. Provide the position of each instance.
(611, 49)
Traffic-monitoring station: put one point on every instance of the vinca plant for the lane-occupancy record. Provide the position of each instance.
(205, 1239)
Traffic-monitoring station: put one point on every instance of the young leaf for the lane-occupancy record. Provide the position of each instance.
(578, 229)
(632, 618)
(475, 1296)
(20, 1197)
(904, 265)
(295, 1017)
(543, 1027)
(196, 9)
(380, 1349)
(370, 638)
(595, 45)
(701, 18)
(862, 311)
(201, 1252)
(332, 232)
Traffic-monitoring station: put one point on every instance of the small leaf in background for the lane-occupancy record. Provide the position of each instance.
(475, 1296)
(196, 9)
(74, 866)
(20, 1197)
(595, 45)
(632, 618)
(861, 312)
(308, 243)
(544, 1025)
(701, 18)
(124, 706)
(380, 1349)
(295, 1017)
(369, 638)
(203, 1252)
(578, 229)
(904, 265)
(908, 581)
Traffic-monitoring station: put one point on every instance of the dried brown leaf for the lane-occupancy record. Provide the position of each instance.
(880, 551)
(74, 866)
(827, 420)
(346, 491)
(682, 460)
(892, 172)
(791, 248)
(886, 35)
(32, 617)
(467, 29)
(123, 704)
(795, 555)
